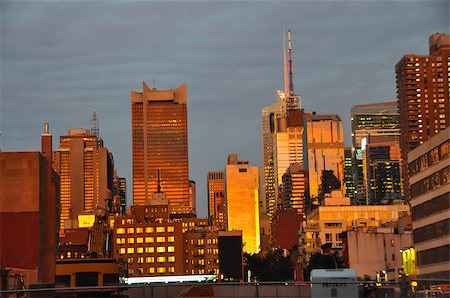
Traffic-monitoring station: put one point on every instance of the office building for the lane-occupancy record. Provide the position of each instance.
(160, 143)
(375, 119)
(429, 177)
(29, 214)
(295, 188)
(381, 168)
(217, 207)
(86, 172)
(193, 196)
(348, 183)
(325, 135)
(269, 116)
(241, 188)
(423, 96)
(201, 252)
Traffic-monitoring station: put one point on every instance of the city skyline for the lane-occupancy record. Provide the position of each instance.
(231, 62)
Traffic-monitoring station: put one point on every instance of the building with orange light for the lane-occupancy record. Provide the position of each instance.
(160, 142)
(217, 207)
(423, 89)
(29, 214)
(295, 188)
(86, 172)
(241, 187)
(325, 135)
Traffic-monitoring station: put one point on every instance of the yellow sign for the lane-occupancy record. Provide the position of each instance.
(409, 261)
(86, 220)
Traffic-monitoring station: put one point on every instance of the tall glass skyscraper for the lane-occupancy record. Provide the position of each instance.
(160, 143)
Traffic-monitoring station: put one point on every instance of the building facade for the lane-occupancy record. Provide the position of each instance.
(160, 143)
(295, 188)
(423, 96)
(376, 119)
(86, 172)
(325, 135)
(429, 177)
(241, 188)
(217, 207)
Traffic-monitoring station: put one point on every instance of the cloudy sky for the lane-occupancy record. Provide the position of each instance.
(62, 59)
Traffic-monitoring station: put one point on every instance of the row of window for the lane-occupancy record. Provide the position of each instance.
(131, 240)
(141, 270)
(433, 231)
(150, 260)
(432, 182)
(430, 158)
(437, 204)
(149, 249)
(121, 231)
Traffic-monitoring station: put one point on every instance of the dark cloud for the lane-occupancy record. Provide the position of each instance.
(60, 60)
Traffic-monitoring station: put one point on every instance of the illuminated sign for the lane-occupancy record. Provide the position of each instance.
(86, 220)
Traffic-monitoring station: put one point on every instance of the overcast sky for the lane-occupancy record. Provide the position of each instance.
(62, 59)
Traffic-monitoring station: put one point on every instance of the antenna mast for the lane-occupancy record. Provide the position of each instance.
(285, 71)
(291, 83)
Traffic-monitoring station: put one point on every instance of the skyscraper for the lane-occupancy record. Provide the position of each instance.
(325, 134)
(241, 186)
(86, 172)
(347, 170)
(295, 187)
(376, 119)
(160, 142)
(217, 207)
(423, 96)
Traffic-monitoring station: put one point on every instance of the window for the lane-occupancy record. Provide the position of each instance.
(130, 250)
(130, 230)
(149, 260)
(328, 237)
(161, 259)
(160, 229)
(122, 251)
(149, 229)
(171, 248)
(171, 259)
(130, 240)
(161, 270)
(171, 269)
(140, 260)
(149, 240)
(171, 239)
(160, 239)
(160, 249)
(139, 240)
(149, 249)
(151, 270)
(140, 250)
(139, 230)
(120, 231)
(170, 229)
(130, 260)
(120, 240)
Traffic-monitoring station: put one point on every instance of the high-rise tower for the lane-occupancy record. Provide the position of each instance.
(160, 142)
(423, 96)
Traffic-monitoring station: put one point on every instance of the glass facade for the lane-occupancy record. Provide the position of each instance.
(160, 142)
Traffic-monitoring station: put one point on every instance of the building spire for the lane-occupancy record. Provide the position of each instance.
(94, 124)
(159, 182)
(291, 82)
(285, 72)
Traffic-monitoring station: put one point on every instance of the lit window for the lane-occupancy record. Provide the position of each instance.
(140, 250)
(122, 251)
(149, 229)
(161, 259)
(160, 229)
(170, 229)
(130, 240)
(160, 249)
(120, 231)
(151, 270)
(130, 260)
(149, 259)
(171, 269)
(149, 249)
(130, 230)
(149, 240)
(171, 259)
(171, 249)
(139, 230)
(161, 270)
(130, 250)
(160, 239)
(139, 240)
(171, 239)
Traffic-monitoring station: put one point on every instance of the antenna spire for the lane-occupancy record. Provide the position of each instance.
(94, 124)
(291, 83)
(159, 182)
(285, 72)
